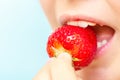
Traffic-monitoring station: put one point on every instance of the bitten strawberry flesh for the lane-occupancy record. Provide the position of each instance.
(79, 42)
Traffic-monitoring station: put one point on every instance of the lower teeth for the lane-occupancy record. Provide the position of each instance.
(102, 43)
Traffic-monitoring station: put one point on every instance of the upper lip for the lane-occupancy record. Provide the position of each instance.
(66, 18)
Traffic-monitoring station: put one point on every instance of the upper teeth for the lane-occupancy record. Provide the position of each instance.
(82, 24)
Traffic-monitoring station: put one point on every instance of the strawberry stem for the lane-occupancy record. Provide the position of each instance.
(76, 59)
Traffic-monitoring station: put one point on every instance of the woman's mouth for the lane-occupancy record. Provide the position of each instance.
(103, 32)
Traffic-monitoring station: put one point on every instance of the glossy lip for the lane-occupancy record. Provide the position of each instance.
(66, 18)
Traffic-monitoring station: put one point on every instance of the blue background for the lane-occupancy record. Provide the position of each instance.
(23, 35)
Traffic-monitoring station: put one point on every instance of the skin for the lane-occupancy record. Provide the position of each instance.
(104, 67)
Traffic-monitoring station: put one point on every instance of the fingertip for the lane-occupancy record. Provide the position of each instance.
(65, 56)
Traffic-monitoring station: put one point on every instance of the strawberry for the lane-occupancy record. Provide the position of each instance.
(79, 42)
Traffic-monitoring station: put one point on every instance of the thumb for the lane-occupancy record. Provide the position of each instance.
(67, 59)
(62, 68)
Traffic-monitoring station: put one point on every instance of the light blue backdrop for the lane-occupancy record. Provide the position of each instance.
(23, 35)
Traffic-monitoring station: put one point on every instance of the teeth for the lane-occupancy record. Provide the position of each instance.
(72, 23)
(102, 43)
(82, 24)
(99, 44)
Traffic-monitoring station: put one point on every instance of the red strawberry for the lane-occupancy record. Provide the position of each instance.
(79, 42)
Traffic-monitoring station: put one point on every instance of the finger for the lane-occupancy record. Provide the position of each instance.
(44, 73)
(62, 69)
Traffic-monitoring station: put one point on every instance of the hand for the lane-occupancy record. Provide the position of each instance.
(59, 68)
